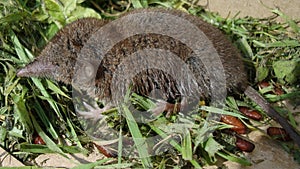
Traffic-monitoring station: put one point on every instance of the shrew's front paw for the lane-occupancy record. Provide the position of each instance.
(93, 112)
(163, 106)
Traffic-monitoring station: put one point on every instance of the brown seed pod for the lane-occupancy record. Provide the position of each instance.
(264, 84)
(278, 91)
(238, 125)
(253, 114)
(39, 140)
(278, 133)
(105, 151)
(244, 145)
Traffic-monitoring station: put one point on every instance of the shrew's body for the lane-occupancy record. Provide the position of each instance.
(57, 61)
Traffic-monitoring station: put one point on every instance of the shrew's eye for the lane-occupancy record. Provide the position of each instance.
(84, 72)
(89, 70)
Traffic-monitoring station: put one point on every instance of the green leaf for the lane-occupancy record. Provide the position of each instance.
(173, 143)
(275, 98)
(81, 12)
(138, 139)
(75, 137)
(91, 165)
(234, 158)
(16, 133)
(123, 165)
(12, 17)
(284, 43)
(212, 147)
(55, 89)
(231, 102)
(291, 23)
(144, 102)
(42, 115)
(20, 109)
(244, 46)
(221, 111)
(287, 70)
(19, 48)
(44, 92)
(51, 31)
(120, 146)
(51, 145)
(187, 152)
(68, 6)
(164, 135)
(43, 149)
(10, 87)
(166, 4)
(262, 73)
(55, 11)
(136, 4)
(202, 133)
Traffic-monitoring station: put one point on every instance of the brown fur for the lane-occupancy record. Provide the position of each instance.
(57, 59)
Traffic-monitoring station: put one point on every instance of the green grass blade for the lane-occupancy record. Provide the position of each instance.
(291, 23)
(44, 92)
(20, 109)
(51, 145)
(221, 111)
(164, 135)
(187, 152)
(234, 158)
(174, 144)
(138, 139)
(136, 4)
(120, 146)
(42, 115)
(55, 89)
(123, 165)
(75, 137)
(91, 165)
(19, 48)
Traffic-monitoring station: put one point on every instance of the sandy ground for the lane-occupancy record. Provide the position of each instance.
(254, 8)
(267, 154)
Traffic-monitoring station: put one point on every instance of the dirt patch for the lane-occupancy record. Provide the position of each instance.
(253, 8)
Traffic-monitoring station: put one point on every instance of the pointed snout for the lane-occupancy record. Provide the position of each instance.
(22, 72)
(36, 69)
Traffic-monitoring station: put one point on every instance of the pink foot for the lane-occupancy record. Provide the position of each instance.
(163, 106)
(93, 112)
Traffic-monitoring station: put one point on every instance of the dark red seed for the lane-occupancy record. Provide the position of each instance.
(253, 114)
(278, 91)
(244, 145)
(39, 140)
(105, 151)
(278, 133)
(264, 84)
(243, 109)
(238, 125)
